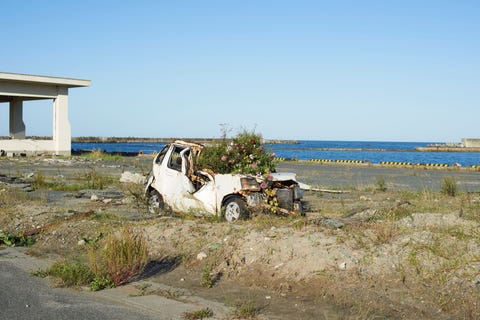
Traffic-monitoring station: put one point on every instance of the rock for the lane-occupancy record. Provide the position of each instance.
(202, 255)
(69, 213)
(101, 194)
(107, 201)
(81, 242)
(332, 223)
(131, 177)
(215, 246)
(128, 200)
(94, 197)
(15, 183)
(342, 266)
(327, 222)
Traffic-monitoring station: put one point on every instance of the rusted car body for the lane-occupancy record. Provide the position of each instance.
(176, 185)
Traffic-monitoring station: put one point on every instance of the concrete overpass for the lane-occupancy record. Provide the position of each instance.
(15, 89)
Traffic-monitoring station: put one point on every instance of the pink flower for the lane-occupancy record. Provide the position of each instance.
(223, 158)
(273, 155)
(269, 177)
(263, 185)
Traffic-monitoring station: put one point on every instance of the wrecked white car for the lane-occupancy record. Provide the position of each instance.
(175, 185)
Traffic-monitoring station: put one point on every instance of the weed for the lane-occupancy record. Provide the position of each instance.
(385, 232)
(381, 186)
(70, 273)
(267, 221)
(206, 280)
(38, 180)
(89, 180)
(12, 240)
(448, 186)
(169, 294)
(246, 310)
(144, 287)
(94, 180)
(137, 192)
(397, 212)
(123, 257)
(199, 314)
(98, 154)
(100, 283)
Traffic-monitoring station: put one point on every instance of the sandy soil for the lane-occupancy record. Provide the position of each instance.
(406, 252)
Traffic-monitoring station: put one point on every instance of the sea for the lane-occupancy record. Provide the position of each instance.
(374, 152)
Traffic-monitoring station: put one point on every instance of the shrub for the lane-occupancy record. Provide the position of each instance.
(242, 154)
(123, 257)
(449, 186)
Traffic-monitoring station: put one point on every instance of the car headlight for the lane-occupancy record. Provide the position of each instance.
(250, 184)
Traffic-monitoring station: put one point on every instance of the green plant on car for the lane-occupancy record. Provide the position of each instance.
(242, 154)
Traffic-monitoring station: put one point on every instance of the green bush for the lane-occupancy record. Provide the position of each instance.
(242, 154)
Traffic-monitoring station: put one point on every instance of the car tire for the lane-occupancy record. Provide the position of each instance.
(155, 202)
(235, 208)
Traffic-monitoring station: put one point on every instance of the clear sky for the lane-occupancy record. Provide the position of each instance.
(318, 70)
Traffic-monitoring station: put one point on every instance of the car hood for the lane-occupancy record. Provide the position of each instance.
(289, 176)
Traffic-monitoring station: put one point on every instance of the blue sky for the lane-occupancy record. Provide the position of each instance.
(317, 70)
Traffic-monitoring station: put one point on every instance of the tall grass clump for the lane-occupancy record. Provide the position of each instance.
(449, 186)
(112, 261)
(123, 257)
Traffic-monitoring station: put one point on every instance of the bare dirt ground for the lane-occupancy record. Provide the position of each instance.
(391, 246)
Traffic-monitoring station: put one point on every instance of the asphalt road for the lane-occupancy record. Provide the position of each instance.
(317, 174)
(361, 176)
(23, 296)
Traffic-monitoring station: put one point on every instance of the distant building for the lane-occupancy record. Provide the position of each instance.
(15, 89)
(471, 143)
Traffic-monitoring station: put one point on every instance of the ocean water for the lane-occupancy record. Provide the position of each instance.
(374, 152)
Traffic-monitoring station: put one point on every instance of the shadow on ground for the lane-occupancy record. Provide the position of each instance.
(157, 267)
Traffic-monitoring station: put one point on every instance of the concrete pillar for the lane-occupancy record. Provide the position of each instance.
(62, 141)
(17, 126)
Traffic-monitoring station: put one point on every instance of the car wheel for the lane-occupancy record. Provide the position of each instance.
(155, 202)
(235, 209)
